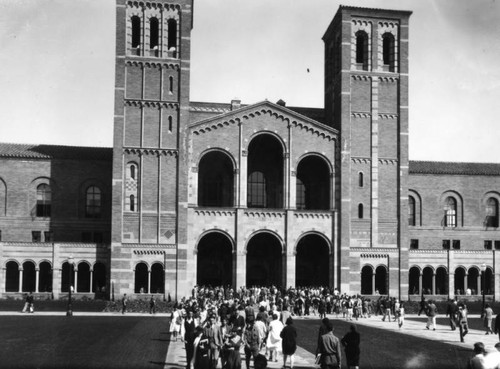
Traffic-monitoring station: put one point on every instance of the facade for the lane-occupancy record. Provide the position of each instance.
(232, 194)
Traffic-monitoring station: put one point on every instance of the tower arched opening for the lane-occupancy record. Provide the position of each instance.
(381, 279)
(312, 267)
(367, 280)
(215, 180)
(313, 184)
(157, 278)
(29, 276)
(141, 283)
(264, 261)
(215, 260)
(12, 277)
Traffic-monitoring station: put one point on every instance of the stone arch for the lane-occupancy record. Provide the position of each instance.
(157, 278)
(215, 250)
(442, 286)
(99, 277)
(460, 272)
(83, 277)
(45, 276)
(491, 209)
(214, 230)
(3, 197)
(141, 277)
(312, 252)
(12, 268)
(473, 282)
(29, 276)
(313, 188)
(264, 254)
(427, 278)
(382, 279)
(216, 168)
(367, 273)
(418, 207)
(459, 207)
(414, 280)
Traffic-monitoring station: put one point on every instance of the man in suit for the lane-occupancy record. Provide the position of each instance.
(329, 348)
(213, 332)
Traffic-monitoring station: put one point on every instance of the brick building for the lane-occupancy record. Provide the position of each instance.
(210, 193)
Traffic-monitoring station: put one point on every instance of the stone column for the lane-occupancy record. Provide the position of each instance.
(479, 284)
(420, 284)
(433, 283)
(148, 289)
(91, 279)
(465, 283)
(451, 285)
(20, 287)
(75, 278)
(37, 279)
(373, 281)
(291, 258)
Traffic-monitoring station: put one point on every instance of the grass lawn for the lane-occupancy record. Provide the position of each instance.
(388, 350)
(31, 341)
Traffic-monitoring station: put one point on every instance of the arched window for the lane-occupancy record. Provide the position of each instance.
(170, 124)
(450, 212)
(362, 48)
(360, 211)
(136, 31)
(153, 33)
(93, 202)
(43, 200)
(132, 203)
(171, 85)
(388, 49)
(301, 195)
(257, 190)
(360, 179)
(411, 211)
(131, 186)
(172, 37)
(491, 212)
(132, 171)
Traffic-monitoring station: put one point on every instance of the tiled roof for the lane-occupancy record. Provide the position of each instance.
(440, 167)
(28, 151)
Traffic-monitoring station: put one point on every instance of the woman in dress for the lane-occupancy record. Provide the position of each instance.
(273, 343)
(176, 323)
(289, 342)
(351, 346)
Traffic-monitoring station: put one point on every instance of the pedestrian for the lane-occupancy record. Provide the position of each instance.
(273, 342)
(423, 306)
(401, 314)
(289, 342)
(323, 329)
(124, 303)
(232, 344)
(152, 305)
(488, 318)
(463, 325)
(351, 346)
(30, 299)
(201, 359)
(492, 358)
(215, 339)
(451, 313)
(175, 323)
(477, 362)
(329, 356)
(252, 343)
(431, 315)
(189, 336)
(26, 303)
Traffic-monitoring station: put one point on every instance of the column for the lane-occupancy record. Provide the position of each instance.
(451, 285)
(241, 267)
(75, 278)
(420, 284)
(373, 282)
(37, 279)
(91, 279)
(20, 287)
(465, 283)
(148, 289)
(479, 284)
(433, 283)
(291, 259)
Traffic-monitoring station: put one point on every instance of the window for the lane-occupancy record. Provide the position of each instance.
(456, 244)
(446, 244)
(257, 190)
(450, 212)
(360, 211)
(488, 245)
(411, 211)
(36, 236)
(93, 202)
(491, 213)
(132, 203)
(43, 201)
(413, 244)
(388, 49)
(153, 33)
(170, 124)
(136, 31)
(172, 37)
(133, 171)
(170, 85)
(301, 195)
(360, 179)
(497, 245)
(48, 236)
(361, 46)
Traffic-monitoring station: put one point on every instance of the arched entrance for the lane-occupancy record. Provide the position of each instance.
(312, 261)
(427, 276)
(459, 281)
(367, 280)
(381, 280)
(264, 261)
(215, 260)
(313, 184)
(414, 281)
(29, 276)
(45, 278)
(215, 180)
(99, 277)
(141, 278)
(441, 281)
(12, 277)
(473, 282)
(83, 277)
(157, 278)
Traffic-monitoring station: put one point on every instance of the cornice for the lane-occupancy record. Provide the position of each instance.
(151, 103)
(212, 212)
(150, 151)
(388, 79)
(312, 215)
(152, 63)
(145, 246)
(153, 4)
(264, 214)
(359, 160)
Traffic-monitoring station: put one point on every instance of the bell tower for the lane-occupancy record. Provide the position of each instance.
(149, 156)
(366, 99)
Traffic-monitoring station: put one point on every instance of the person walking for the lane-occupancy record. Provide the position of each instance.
(329, 354)
(488, 318)
(423, 306)
(201, 359)
(251, 340)
(232, 346)
(451, 313)
(152, 305)
(400, 313)
(273, 343)
(124, 303)
(189, 336)
(463, 325)
(351, 346)
(289, 342)
(214, 334)
(431, 315)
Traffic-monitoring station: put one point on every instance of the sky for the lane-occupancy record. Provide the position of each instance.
(57, 74)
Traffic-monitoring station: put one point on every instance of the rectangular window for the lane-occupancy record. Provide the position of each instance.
(48, 236)
(36, 236)
(413, 244)
(456, 244)
(497, 245)
(446, 244)
(488, 245)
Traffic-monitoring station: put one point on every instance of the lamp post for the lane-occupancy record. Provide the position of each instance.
(69, 311)
(483, 277)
